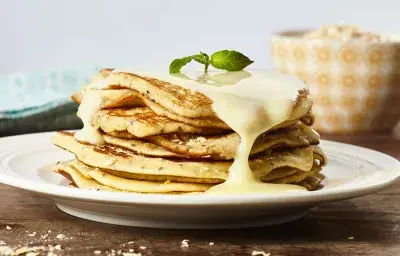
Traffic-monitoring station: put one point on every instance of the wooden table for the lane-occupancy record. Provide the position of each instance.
(368, 225)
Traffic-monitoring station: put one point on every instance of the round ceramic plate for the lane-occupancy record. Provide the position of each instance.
(25, 162)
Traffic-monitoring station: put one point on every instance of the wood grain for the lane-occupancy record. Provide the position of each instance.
(373, 221)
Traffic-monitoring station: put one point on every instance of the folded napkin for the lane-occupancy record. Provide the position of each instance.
(40, 101)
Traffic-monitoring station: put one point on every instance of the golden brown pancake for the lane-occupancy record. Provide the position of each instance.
(78, 179)
(141, 147)
(140, 186)
(86, 177)
(173, 101)
(126, 161)
(123, 98)
(142, 122)
(225, 146)
(127, 98)
(184, 102)
(308, 119)
(163, 138)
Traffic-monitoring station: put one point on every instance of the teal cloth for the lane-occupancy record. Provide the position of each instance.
(41, 101)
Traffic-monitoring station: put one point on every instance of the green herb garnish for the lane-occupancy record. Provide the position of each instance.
(225, 60)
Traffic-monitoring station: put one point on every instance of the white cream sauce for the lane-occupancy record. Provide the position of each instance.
(250, 103)
(91, 103)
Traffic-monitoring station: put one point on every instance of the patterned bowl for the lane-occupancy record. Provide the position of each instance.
(355, 84)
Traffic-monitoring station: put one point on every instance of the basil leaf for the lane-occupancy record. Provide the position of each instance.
(177, 64)
(202, 58)
(230, 60)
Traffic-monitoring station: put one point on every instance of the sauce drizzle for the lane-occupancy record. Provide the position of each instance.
(249, 102)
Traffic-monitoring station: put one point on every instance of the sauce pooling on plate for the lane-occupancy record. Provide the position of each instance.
(249, 102)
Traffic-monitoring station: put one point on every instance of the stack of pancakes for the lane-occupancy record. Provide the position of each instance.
(163, 138)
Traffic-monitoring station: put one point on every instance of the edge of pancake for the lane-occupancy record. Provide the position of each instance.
(109, 157)
(139, 186)
(78, 179)
(223, 147)
(91, 178)
(142, 122)
(183, 101)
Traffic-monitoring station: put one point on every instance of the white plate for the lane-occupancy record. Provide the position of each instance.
(351, 172)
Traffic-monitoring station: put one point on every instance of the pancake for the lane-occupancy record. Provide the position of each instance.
(127, 98)
(308, 119)
(207, 122)
(111, 98)
(312, 182)
(225, 146)
(320, 156)
(183, 102)
(86, 177)
(139, 186)
(142, 122)
(78, 179)
(297, 177)
(172, 101)
(163, 138)
(221, 147)
(141, 147)
(120, 159)
(142, 167)
(123, 98)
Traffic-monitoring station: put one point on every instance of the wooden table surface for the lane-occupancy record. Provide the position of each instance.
(369, 225)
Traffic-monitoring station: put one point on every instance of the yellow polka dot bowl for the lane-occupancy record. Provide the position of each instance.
(355, 84)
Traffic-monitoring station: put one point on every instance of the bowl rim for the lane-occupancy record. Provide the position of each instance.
(296, 34)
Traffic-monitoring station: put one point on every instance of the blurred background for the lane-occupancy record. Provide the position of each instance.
(44, 34)
(49, 37)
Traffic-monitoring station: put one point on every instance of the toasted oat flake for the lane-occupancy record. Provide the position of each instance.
(32, 254)
(60, 236)
(57, 247)
(25, 250)
(260, 253)
(210, 243)
(97, 252)
(131, 254)
(185, 243)
(8, 228)
(143, 247)
(131, 250)
(343, 33)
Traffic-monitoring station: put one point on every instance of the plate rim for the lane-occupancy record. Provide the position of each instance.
(315, 197)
